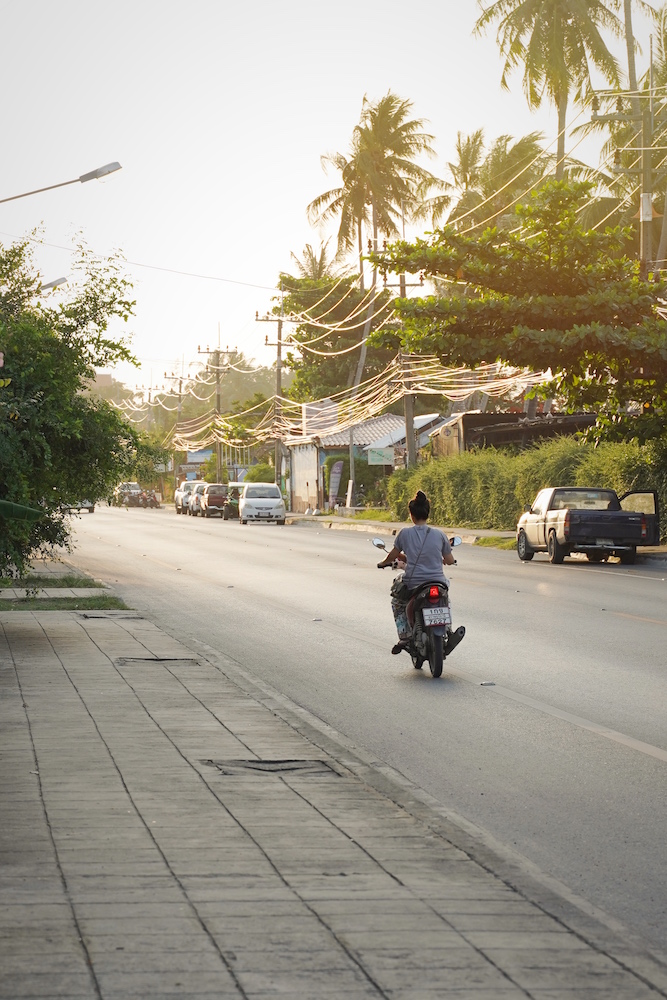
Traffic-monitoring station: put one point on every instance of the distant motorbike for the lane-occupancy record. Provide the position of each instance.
(430, 619)
(146, 498)
(149, 499)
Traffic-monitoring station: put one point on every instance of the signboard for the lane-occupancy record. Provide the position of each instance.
(380, 456)
(199, 456)
(334, 481)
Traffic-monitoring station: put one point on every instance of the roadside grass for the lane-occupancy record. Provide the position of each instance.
(65, 604)
(496, 542)
(37, 582)
(371, 514)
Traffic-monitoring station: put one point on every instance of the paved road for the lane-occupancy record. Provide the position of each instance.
(563, 760)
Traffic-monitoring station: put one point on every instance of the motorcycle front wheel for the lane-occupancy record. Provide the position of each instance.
(435, 655)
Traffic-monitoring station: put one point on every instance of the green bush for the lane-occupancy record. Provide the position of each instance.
(260, 473)
(489, 488)
(371, 477)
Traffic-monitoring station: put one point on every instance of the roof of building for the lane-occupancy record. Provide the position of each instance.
(365, 433)
(397, 434)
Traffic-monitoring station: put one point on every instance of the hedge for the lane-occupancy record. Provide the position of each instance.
(489, 488)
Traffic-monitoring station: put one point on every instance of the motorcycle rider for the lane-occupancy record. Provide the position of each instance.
(425, 550)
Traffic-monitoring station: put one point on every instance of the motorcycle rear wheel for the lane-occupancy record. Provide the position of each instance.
(435, 655)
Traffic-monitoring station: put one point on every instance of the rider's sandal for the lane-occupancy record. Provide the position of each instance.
(399, 647)
(454, 639)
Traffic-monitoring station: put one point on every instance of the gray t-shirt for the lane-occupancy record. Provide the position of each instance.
(427, 566)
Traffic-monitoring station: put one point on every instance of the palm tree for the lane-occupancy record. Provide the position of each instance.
(464, 173)
(313, 265)
(558, 42)
(389, 143)
(350, 201)
(505, 176)
(380, 178)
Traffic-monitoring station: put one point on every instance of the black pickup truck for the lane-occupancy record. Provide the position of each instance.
(567, 519)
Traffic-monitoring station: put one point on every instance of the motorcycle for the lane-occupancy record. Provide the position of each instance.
(148, 499)
(430, 619)
(131, 500)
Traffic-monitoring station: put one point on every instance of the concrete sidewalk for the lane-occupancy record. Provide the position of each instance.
(171, 830)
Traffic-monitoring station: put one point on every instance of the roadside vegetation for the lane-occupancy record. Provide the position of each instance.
(64, 604)
(489, 488)
(38, 582)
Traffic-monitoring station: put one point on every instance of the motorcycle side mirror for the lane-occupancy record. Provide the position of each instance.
(456, 540)
(378, 543)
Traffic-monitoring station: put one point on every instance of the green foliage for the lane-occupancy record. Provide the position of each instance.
(148, 454)
(550, 295)
(489, 488)
(260, 473)
(371, 478)
(58, 443)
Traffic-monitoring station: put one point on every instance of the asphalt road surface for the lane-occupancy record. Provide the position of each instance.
(564, 759)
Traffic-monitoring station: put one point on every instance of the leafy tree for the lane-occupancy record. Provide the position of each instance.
(58, 443)
(557, 42)
(260, 473)
(553, 295)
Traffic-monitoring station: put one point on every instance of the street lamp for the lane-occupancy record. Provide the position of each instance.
(108, 168)
(53, 284)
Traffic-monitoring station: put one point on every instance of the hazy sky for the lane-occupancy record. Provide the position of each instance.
(218, 112)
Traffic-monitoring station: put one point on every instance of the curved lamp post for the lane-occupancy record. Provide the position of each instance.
(108, 168)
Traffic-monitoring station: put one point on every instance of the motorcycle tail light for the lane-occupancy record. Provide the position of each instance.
(434, 593)
(566, 524)
(644, 529)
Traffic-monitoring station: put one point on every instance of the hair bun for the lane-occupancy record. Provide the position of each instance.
(420, 495)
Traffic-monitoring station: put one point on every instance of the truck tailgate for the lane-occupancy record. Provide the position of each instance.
(590, 527)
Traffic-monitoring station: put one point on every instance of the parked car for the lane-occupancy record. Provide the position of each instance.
(213, 500)
(194, 499)
(261, 502)
(182, 494)
(597, 522)
(79, 505)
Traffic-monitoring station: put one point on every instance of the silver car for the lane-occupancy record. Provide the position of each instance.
(182, 495)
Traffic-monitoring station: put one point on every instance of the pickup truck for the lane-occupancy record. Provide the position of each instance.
(567, 519)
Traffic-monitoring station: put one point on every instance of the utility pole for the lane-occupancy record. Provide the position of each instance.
(646, 209)
(179, 379)
(277, 412)
(408, 397)
(214, 363)
(641, 120)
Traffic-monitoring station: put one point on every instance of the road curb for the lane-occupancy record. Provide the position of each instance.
(382, 527)
(468, 536)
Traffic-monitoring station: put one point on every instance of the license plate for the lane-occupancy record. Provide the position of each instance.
(604, 541)
(437, 616)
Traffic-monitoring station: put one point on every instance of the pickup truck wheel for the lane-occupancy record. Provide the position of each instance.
(628, 558)
(556, 550)
(523, 549)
